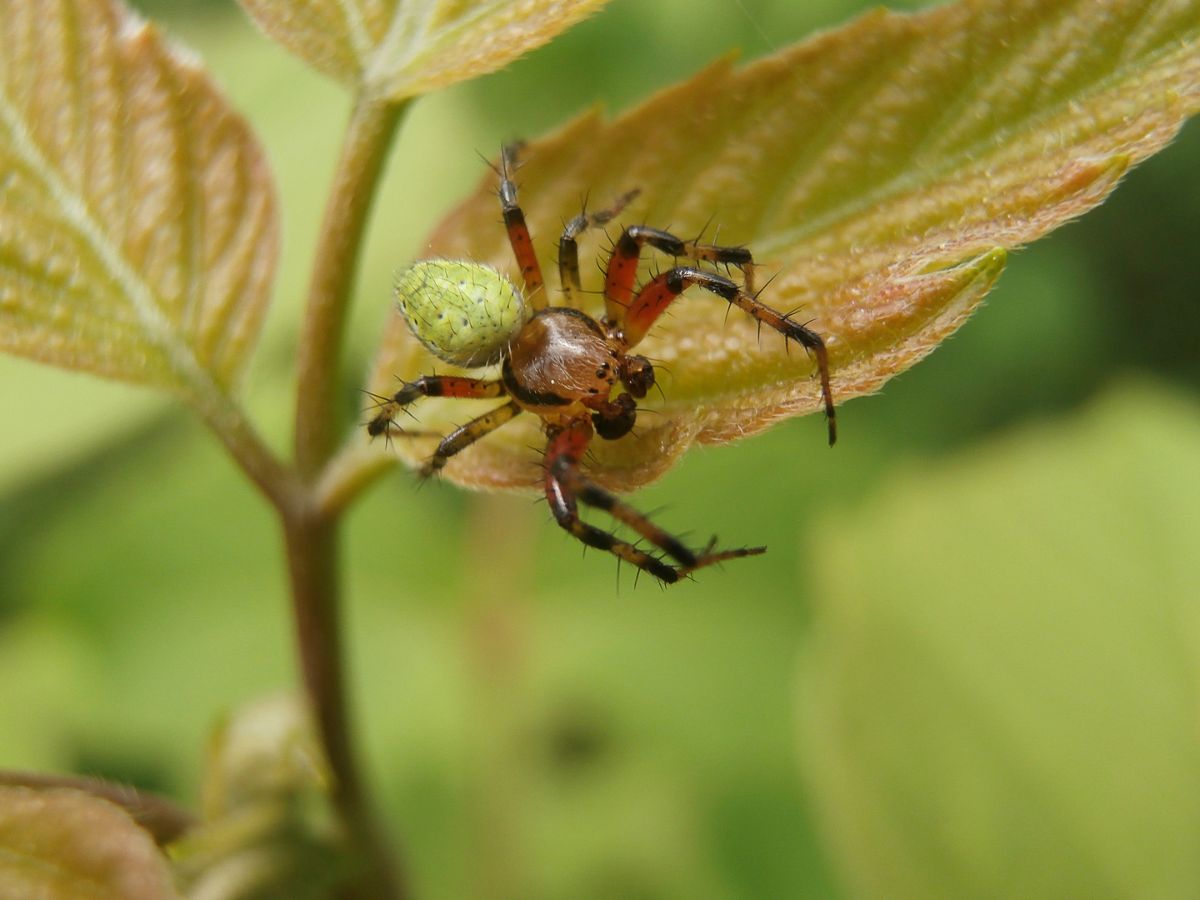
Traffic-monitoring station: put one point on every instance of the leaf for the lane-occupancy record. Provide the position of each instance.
(1000, 689)
(268, 829)
(266, 749)
(64, 843)
(137, 218)
(157, 816)
(397, 49)
(878, 172)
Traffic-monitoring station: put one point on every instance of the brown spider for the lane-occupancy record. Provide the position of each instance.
(564, 366)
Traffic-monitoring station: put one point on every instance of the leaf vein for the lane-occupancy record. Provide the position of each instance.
(155, 323)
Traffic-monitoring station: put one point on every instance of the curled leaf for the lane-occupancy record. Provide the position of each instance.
(878, 172)
(63, 843)
(137, 217)
(399, 49)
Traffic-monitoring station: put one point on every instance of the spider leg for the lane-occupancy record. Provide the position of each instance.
(621, 271)
(568, 248)
(518, 231)
(430, 386)
(464, 436)
(711, 556)
(738, 257)
(566, 487)
(660, 291)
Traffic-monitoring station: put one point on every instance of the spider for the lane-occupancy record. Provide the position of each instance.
(575, 372)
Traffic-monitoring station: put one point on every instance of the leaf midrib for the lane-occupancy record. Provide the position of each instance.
(156, 325)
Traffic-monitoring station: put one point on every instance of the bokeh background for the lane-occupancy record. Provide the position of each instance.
(968, 666)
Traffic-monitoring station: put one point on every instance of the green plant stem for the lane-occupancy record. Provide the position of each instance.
(312, 535)
(229, 423)
(318, 417)
(312, 549)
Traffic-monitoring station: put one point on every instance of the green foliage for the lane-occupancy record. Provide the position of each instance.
(266, 831)
(1003, 703)
(535, 740)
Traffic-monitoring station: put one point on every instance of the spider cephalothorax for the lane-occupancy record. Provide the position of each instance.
(575, 372)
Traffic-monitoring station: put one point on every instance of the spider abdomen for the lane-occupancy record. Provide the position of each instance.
(464, 313)
(561, 356)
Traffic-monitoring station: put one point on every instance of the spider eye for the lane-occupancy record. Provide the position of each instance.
(464, 313)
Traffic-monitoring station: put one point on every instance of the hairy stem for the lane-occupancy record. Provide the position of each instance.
(318, 419)
(312, 549)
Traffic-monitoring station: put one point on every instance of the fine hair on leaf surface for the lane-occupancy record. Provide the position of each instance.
(138, 211)
(397, 49)
(878, 172)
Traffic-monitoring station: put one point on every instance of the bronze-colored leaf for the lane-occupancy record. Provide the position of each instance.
(62, 844)
(878, 172)
(137, 216)
(396, 49)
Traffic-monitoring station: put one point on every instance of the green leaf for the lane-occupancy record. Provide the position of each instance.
(1000, 693)
(268, 829)
(63, 843)
(879, 172)
(137, 217)
(266, 749)
(399, 49)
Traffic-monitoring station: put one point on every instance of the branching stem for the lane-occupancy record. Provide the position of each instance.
(228, 422)
(311, 532)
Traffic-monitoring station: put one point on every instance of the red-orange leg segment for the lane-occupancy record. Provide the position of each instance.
(621, 272)
(518, 231)
(568, 248)
(660, 291)
(431, 386)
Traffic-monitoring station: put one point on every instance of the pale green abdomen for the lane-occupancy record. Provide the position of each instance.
(464, 313)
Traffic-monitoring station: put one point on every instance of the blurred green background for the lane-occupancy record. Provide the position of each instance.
(968, 666)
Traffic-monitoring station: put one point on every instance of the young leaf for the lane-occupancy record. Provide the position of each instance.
(268, 830)
(878, 172)
(157, 816)
(63, 843)
(137, 217)
(402, 49)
